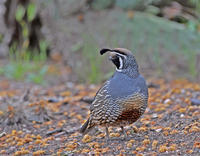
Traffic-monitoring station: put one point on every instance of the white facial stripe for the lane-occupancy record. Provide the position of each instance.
(118, 70)
(120, 62)
(119, 54)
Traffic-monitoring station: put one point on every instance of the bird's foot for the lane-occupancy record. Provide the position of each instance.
(107, 136)
(124, 132)
(107, 141)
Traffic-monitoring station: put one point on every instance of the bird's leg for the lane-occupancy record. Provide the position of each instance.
(107, 135)
(124, 132)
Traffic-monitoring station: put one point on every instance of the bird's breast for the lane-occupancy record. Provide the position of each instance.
(132, 107)
(121, 86)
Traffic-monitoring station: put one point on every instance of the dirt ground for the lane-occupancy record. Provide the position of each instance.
(37, 120)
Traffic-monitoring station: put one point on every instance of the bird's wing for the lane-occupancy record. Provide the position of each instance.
(103, 109)
(99, 97)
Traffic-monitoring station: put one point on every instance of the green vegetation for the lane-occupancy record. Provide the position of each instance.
(153, 40)
(191, 61)
(25, 39)
(26, 63)
(25, 67)
(101, 4)
(25, 71)
(88, 69)
(21, 11)
(1, 38)
(196, 3)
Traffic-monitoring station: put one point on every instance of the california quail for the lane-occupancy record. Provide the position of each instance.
(123, 98)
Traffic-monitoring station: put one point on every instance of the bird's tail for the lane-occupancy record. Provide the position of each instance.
(86, 127)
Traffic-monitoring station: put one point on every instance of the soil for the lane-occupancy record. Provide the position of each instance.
(38, 120)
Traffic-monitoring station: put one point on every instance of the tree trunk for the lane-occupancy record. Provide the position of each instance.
(26, 33)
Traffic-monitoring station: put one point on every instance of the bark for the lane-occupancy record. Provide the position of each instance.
(16, 30)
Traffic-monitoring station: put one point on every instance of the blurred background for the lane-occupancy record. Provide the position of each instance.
(55, 41)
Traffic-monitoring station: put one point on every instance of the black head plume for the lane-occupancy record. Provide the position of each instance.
(104, 50)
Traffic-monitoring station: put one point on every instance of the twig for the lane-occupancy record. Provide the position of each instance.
(54, 131)
(2, 134)
(87, 99)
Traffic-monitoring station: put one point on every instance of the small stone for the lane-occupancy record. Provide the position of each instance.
(182, 91)
(2, 134)
(70, 85)
(57, 139)
(53, 100)
(167, 101)
(87, 99)
(154, 115)
(159, 130)
(195, 102)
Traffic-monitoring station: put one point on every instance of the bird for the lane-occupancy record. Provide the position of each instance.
(123, 98)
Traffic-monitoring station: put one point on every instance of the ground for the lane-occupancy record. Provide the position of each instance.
(38, 120)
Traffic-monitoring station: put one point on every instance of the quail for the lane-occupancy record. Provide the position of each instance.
(123, 98)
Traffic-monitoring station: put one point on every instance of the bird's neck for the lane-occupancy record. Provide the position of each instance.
(131, 72)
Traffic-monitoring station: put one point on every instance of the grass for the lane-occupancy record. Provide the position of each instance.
(26, 65)
(28, 71)
(88, 69)
(144, 34)
(196, 3)
(191, 61)
(150, 38)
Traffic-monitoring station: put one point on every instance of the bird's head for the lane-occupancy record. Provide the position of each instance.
(123, 59)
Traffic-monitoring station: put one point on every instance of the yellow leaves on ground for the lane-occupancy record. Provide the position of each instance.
(155, 130)
(86, 138)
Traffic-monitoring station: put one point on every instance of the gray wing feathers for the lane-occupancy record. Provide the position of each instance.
(103, 109)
